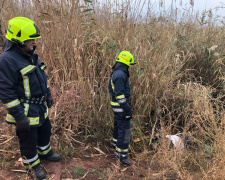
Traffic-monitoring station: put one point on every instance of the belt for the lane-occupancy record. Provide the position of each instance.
(33, 100)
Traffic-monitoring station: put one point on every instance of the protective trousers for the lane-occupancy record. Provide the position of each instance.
(35, 144)
(121, 132)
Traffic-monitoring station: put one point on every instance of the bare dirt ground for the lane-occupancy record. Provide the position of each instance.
(88, 162)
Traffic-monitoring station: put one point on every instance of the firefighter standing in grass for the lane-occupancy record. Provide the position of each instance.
(119, 89)
(24, 92)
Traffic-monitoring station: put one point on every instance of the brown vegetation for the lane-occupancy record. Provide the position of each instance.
(177, 84)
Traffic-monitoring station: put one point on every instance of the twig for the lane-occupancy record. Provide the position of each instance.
(73, 139)
(117, 167)
(85, 174)
(15, 170)
(7, 140)
(53, 176)
(153, 131)
(1, 150)
(99, 150)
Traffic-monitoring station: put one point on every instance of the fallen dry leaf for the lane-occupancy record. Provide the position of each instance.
(124, 169)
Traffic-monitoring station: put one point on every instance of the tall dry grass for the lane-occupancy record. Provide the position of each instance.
(177, 84)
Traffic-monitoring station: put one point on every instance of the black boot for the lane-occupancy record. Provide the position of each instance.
(39, 174)
(54, 158)
(124, 160)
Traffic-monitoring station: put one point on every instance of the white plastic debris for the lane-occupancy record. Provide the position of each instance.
(177, 141)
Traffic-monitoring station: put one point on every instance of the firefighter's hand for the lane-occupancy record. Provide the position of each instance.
(50, 101)
(22, 123)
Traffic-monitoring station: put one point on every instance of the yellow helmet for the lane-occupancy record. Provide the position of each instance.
(126, 57)
(21, 29)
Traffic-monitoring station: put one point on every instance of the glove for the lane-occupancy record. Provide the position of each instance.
(126, 109)
(50, 101)
(22, 123)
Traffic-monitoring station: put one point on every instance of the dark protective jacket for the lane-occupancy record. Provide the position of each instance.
(22, 77)
(119, 87)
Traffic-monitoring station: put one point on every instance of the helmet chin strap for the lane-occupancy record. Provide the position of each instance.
(19, 43)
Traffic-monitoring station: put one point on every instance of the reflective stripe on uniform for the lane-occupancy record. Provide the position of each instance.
(112, 83)
(120, 97)
(46, 114)
(26, 108)
(122, 100)
(27, 69)
(12, 103)
(34, 120)
(30, 160)
(117, 109)
(33, 164)
(114, 140)
(43, 67)
(44, 152)
(26, 86)
(114, 103)
(121, 150)
(43, 148)
(10, 118)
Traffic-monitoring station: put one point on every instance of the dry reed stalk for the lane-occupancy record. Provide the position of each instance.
(177, 84)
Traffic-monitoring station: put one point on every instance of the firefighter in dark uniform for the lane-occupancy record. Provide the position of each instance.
(119, 89)
(24, 92)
